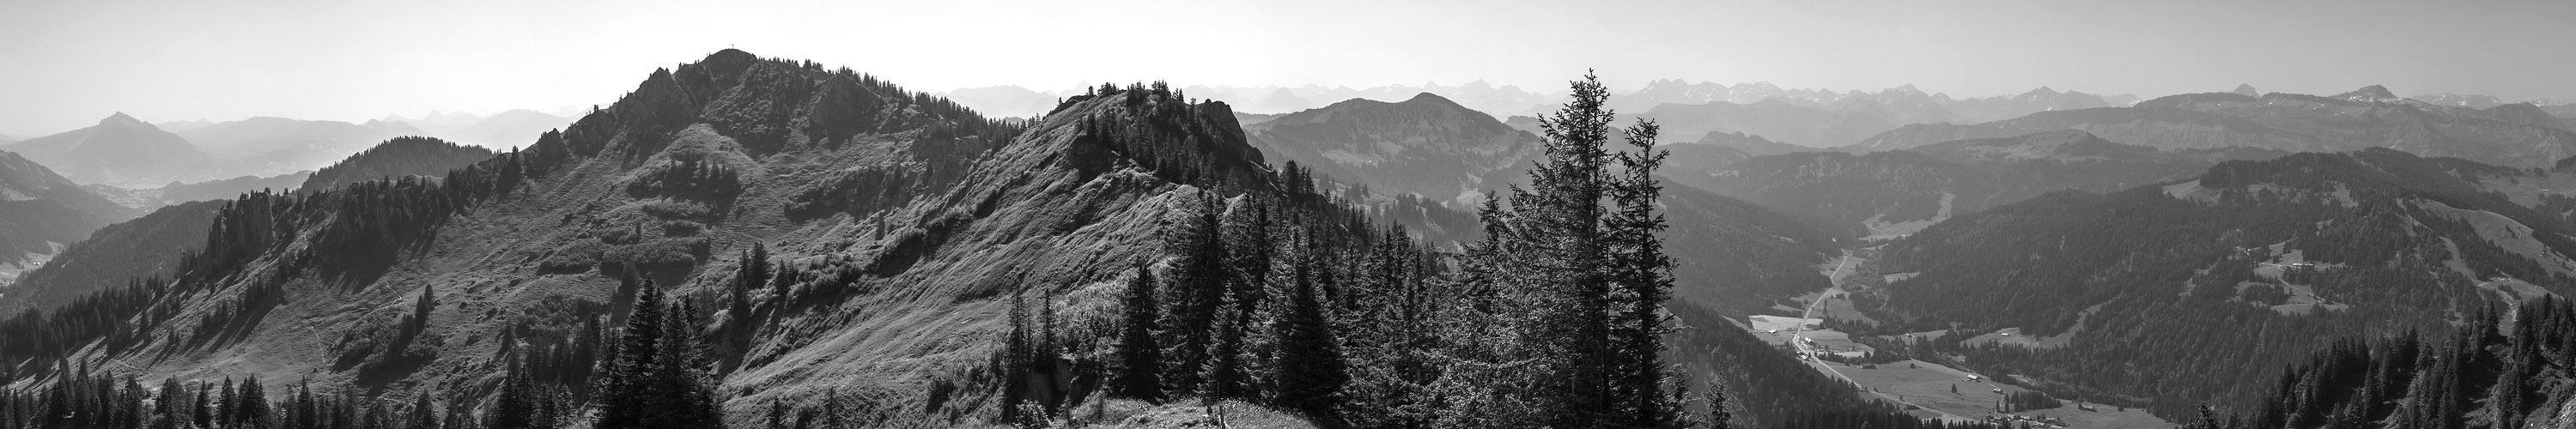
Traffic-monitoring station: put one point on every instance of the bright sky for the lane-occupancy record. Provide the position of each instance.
(66, 63)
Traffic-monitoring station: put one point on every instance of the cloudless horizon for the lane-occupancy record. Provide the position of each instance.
(73, 62)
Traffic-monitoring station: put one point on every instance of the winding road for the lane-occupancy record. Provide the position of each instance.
(1797, 337)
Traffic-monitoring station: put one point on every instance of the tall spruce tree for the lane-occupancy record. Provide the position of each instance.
(1193, 293)
(1575, 258)
(1312, 371)
(1720, 409)
(658, 376)
(1140, 361)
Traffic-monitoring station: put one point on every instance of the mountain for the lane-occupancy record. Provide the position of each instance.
(1247, 119)
(151, 246)
(40, 212)
(1425, 145)
(267, 146)
(1895, 193)
(1740, 258)
(1776, 120)
(2560, 110)
(2370, 117)
(396, 158)
(2498, 368)
(1483, 97)
(2044, 99)
(1901, 105)
(147, 199)
(951, 215)
(821, 234)
(182, 213)
(1004, 100)
(438, 122)
(1750, 144)
(2246, 90)
(119, 150)
(2170, 294)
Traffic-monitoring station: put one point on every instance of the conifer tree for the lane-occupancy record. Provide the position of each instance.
(423, 414)
(513, 408)
(1311, 369)
(1193, 293)
(1139, 355)
(754, 271)
(1576, 255)
(628, 396)
(1720, 415)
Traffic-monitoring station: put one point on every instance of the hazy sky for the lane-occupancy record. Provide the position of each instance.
(64, 64)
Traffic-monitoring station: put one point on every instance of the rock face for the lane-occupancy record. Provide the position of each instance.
(2370, 117)
(1426, 145)
(909, 269)
(119, 150)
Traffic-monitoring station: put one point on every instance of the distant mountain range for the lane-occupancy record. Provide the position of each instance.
(127, 153)
(119, 150)
(1903, 104)
(2511, 134)
(182, 192)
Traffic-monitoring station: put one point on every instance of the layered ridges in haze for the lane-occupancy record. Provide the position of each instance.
(120, 149)
(2518, 135)
(40, 212)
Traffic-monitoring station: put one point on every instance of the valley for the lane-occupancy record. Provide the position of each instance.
(1924, 389)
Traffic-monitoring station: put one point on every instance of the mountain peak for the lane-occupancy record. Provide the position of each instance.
(119, 119)
(2246, 90)
(2367, 93)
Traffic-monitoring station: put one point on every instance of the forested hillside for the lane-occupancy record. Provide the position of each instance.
(2503, 367)
(2168, 295)
(745, 238)
(398, 157)
(1897, 192)
(148, 246)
